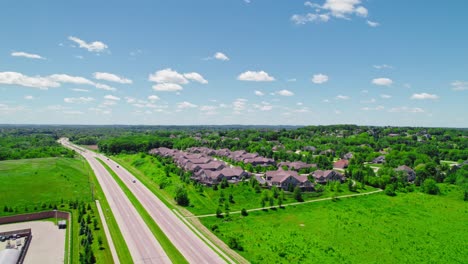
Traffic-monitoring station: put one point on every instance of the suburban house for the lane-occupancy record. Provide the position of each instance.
(411, 174)
(321, 176)
(230, 174)
(341, 164)
(348, 156)
(379, 160)
(285, 179)
(296, 165)
(259, 161)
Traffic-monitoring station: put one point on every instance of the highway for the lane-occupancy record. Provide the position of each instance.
(143, 246)
(191, 246)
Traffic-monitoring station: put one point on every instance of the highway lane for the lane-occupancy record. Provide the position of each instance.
(191, 246)
(143, 246)
(194, 249)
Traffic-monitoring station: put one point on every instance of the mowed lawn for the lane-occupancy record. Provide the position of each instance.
(33, 182)
(408, 228)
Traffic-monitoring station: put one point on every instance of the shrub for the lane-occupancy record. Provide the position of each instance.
(389, 190)
(430, 187)
(244, 212)
(181, 196)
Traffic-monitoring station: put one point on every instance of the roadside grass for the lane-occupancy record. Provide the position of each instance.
(205, 200)
(34, 185)
(408, 228)
(166, 244)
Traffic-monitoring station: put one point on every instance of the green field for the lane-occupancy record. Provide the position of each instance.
(408, 228)
(34, 182)
(205, 200)
(32, 185)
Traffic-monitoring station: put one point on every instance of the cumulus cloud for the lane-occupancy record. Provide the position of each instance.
(373, 23)
(16, 78)
(377, 108)
(259, 93)
(78, 100)
(153, 98)
(239, 104)
(342, 97)
(29, 97)
(382, 81)
(185, 105)
(424, 96)
(385, 96)
(342, 9)
(405, 109)
(95, 46)
(319, 78)
(459, 85)
(167, 87)
(285, 93)
(221, 56)
(27, 55)
(195, 77)
(65, 78)
(73, 112)
(104, 87)
(255, 76)
(168, 76)
(112, 97)
(111, 77)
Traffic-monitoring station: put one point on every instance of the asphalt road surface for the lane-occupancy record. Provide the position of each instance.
(143, 246)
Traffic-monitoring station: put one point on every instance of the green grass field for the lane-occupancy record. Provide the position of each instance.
(32, 185)
(33, 182)
(206, 200)
(408, 228)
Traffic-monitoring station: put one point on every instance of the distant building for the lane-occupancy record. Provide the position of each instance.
(341, 164)
(410, 173)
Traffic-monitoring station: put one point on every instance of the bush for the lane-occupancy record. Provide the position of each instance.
(233, 243)
(389, 190)
(181, 196)
(430, 187)
(244, 212)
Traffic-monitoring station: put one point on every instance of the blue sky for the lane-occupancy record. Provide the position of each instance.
(288, 62)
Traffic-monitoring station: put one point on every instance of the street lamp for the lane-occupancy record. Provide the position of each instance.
(55, 210)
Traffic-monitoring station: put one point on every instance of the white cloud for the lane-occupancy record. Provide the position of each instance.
(459, 85)
(27, 55)
(80, 90)
(373, 23)
(255, 76)
(208, 108)
(107, 103)
(383, 66)
(424, 96)
(104, 87)
(285, 93)
(385, 96)
(111, 77)
(309, 17)
(78, 100)
(291, 80)
(185, 105)
(29, 97)
(65, 78)
(342, 97)
(221, 56)
(341, 9)
(168, 76)
(96, 46)
(16, 78)
(405, 109)
(153, 98)
(259, 93)
(378, 108)
(239, 104)
(112, 97)
(167, 87)
(195, 77)
(264, 107)
(382, 81)
(325, 100)
(319, 78)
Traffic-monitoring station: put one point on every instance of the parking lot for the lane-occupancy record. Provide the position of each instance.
(47, 244)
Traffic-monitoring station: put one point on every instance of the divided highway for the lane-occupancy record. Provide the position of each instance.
(143, 246)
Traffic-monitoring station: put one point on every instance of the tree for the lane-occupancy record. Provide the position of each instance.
(244, 212)
(280, 201)
(390, 190)
(298, 194)
(219, 213)
(231, 198)
(181, 196)
(100, 243)
(430, 187)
